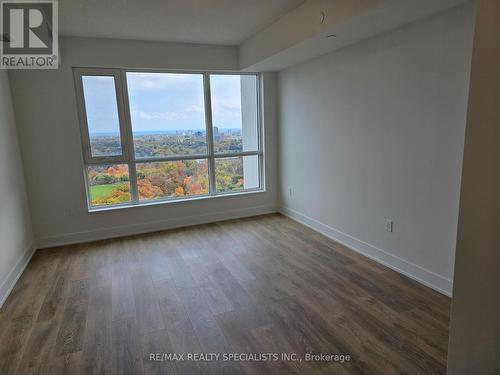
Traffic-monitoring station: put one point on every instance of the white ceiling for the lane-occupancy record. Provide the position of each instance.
(283, 45)
(226, 22)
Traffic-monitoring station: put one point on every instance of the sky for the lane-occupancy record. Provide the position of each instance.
(163, 101)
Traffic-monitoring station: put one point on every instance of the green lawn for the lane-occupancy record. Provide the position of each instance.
(98, 191)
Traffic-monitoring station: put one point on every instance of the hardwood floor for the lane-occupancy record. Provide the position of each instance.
(259, 285)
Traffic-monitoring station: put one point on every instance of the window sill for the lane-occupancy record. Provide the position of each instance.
(173, 201)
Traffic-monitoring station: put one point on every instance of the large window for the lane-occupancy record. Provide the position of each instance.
(154, 136)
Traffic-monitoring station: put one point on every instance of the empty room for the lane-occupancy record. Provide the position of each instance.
(250, 187)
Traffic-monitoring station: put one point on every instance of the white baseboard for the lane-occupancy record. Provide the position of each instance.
(127, 230)
(16, 272)
(414, 271)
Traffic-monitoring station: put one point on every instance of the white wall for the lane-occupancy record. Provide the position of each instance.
(15, 226)
(50, 140)
(376, 131)
(474, 344)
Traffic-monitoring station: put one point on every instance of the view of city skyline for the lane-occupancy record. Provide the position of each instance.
(166, 132)
(167, 119)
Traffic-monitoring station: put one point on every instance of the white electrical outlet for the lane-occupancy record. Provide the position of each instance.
(388, 225)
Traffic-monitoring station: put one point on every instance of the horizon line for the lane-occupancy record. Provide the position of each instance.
(160, 131)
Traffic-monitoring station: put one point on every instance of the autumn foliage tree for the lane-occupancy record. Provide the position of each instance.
(165, 179)
(170, 179)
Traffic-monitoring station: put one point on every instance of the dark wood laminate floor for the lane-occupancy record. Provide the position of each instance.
(259, 285)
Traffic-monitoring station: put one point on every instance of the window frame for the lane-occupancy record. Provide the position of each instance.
(127, 138)
(82, 114)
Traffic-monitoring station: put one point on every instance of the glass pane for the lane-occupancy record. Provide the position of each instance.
(234, 112)
(109, 184)
(102, 115)
(237, 173)
(169, 179)
(168, 114)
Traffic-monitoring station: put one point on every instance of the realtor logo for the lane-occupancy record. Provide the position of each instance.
(29, 35)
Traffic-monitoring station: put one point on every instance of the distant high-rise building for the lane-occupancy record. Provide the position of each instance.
(216, 134)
